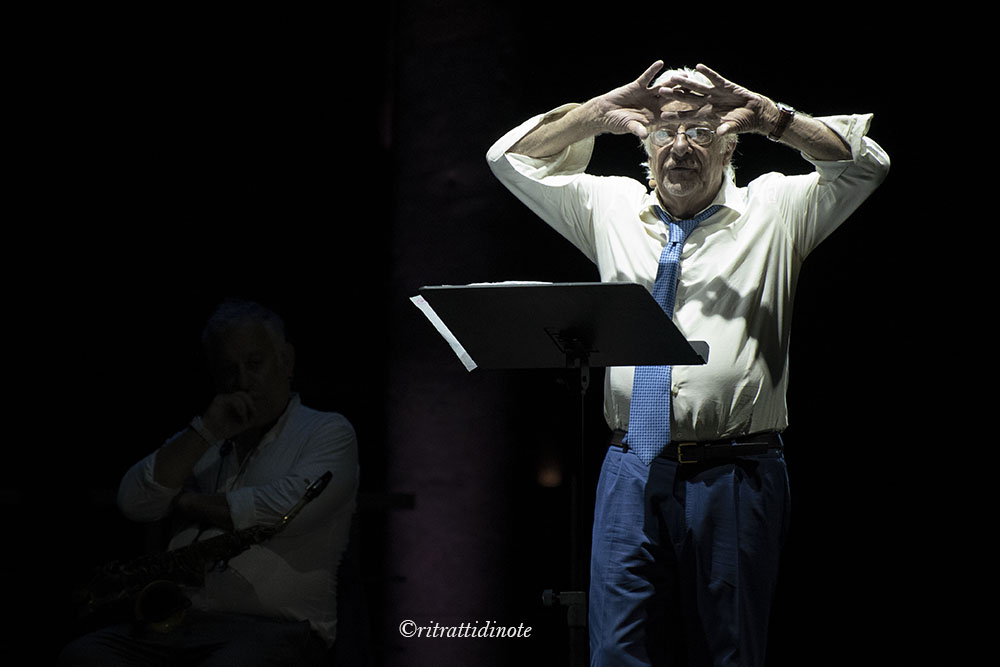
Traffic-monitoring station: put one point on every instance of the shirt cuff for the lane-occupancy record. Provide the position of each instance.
(140, 496)
(572, 161)
(852, 129)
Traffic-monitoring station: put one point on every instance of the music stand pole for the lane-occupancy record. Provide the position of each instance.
(560, 325)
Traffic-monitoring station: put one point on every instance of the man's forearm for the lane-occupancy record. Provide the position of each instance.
(814, 138)
(206, 508)
(176, 459)
(553, 135)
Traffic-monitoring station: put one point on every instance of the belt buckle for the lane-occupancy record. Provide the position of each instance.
(680, 452)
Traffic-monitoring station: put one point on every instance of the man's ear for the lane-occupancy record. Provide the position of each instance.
(730, 151)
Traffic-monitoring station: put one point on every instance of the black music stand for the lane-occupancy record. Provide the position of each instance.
(560, 325)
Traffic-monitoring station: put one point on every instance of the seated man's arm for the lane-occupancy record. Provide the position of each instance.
(207, 508)
(153, 487)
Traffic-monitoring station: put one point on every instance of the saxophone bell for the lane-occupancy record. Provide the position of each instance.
(161, 606)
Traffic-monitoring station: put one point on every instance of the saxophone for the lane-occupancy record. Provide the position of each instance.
(151, 585)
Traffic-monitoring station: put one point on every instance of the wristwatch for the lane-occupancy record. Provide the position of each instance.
(785, 114)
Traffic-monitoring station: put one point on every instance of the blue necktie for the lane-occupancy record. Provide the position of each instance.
(649, 416)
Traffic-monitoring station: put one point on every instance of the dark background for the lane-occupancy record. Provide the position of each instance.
(330, 166)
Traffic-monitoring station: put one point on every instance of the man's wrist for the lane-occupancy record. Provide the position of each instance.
(770, 117)
(785, 115)
(588, 118)
(199, 426)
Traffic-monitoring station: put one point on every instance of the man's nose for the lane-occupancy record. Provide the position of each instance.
(242, 378)
(681, 145)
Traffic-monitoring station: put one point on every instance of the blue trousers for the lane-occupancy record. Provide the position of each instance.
(685, 560)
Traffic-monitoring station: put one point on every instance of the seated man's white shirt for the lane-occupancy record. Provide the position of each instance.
(293, 575)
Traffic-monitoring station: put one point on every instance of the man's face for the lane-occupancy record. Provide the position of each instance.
(252, 359)
(688, 175)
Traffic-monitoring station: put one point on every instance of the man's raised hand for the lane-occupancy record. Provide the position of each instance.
(631, 108)
(740, 109)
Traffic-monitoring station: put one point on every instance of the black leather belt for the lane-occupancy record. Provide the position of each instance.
(713, 450)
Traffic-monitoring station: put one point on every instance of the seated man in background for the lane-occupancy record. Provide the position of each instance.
(245, 462)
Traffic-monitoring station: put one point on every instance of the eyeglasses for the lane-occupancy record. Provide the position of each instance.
(702, 136)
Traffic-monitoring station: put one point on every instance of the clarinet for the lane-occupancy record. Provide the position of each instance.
(151, 584)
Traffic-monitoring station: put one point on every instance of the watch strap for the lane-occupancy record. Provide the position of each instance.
(785, 114)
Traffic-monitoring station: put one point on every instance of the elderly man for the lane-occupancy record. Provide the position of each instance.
(246, 461)
(692, 498)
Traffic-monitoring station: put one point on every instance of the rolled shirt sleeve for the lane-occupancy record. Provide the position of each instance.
(555, 188)
(817, 203)
(140, 497)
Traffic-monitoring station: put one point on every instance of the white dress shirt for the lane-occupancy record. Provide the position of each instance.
(738, 269)
(293, 575)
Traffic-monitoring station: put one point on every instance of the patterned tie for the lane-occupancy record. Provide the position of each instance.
(649, 416)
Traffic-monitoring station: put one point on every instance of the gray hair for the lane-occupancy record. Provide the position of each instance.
(729, 140)
(235, 312)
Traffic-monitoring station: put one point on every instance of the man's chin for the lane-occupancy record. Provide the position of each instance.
(678, 190)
